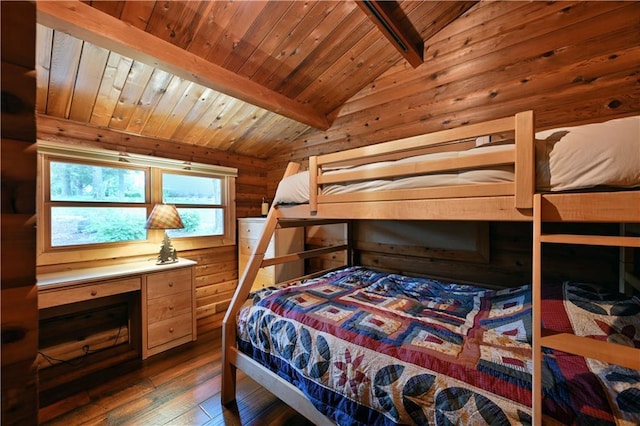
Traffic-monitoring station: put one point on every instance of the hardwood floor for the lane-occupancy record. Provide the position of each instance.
(179, 387)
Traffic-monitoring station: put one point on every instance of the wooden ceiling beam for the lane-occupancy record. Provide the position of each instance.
(90, 24)
(404, 37)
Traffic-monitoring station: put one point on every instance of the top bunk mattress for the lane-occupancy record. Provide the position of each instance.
(567, 158)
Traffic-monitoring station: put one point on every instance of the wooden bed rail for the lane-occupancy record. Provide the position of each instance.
(520, 127)
(257, 261)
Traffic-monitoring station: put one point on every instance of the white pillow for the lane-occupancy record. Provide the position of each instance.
(589, 155)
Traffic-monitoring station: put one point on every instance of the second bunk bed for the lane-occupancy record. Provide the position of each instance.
(431, 351)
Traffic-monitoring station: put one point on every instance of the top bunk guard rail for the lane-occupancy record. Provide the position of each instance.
(521, 156)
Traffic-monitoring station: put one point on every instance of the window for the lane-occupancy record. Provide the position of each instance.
(199, 203)
(94, 203)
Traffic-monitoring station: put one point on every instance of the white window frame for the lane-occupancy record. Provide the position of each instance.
(154, 166)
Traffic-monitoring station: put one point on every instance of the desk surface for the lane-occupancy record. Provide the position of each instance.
(55, 280)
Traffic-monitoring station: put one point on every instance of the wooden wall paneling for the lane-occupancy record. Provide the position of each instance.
(331, 46)
(296, 54)
(19, 311)
(255, 34)
(163, 109)
(188, 99)
(134, 86)
(92, 62)
(44, 38)
(231, 23)
(266, 49)
(288, 53)
(111, 84)
(191, 119)
(157, 87)
(176, 22)
(63, 72)
(210, 116)
(227, 127)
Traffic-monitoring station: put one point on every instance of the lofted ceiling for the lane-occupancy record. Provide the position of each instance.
(247, 77)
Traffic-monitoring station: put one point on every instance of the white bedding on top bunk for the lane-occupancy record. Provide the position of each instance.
(567, 158)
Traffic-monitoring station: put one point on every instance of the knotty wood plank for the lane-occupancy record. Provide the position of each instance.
(134, 86)
(328, 50)
(62, 74)
(113, 79)
(44, 39)
(259, 30)
(231, 24)
(192, 119)
(153, 92)
(176, 22)
(87, 84)
(293, 48)
(185, 103)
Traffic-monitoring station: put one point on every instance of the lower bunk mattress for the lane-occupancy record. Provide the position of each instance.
(373, 348)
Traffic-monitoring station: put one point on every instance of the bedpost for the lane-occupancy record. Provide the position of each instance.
(313, 183)
(228, 386)
(525, 160)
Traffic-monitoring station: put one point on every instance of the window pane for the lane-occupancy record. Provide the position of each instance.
(182, 189)
(92, 225)
(199, 222)
(82, 182)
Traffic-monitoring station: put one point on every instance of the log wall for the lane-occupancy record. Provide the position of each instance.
(18, 246)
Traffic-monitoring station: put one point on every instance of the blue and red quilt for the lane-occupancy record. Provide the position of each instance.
(373, 348)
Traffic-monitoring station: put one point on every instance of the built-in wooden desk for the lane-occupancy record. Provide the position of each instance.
(167, 298)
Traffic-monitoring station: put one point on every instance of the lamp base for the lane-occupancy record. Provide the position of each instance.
(167, 253)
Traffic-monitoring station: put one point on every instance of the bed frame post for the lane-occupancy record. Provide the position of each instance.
(536, 300)
(313, 183)
(228, 386)
(525, 160)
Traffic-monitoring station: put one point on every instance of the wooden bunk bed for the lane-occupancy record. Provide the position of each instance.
(499, 201)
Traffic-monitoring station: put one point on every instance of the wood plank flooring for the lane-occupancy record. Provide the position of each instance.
(180, 387)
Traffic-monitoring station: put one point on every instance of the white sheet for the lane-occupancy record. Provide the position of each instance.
(599, 154)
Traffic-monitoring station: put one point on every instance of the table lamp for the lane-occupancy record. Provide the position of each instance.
(165, 216)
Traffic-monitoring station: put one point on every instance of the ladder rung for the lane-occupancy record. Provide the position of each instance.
(587, 347)
(596, 240)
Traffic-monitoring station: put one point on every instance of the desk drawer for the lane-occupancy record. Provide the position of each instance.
(169, 329)
(170, 306)
(170, 282)
(79, 293)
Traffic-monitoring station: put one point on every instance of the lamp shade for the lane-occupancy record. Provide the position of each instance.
(164, 216)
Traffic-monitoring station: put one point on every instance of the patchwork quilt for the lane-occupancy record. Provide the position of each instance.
(373, 348)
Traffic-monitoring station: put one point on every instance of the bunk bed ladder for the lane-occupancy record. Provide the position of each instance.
(257, 260)
(568, 207)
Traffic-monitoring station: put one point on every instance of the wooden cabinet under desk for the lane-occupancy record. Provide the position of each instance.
(163, 315)
(168, 310)
(284, 241)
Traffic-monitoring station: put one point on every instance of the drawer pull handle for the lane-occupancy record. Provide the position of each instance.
(170, 283)
(171, 307)
(171, 330)
(94, 292)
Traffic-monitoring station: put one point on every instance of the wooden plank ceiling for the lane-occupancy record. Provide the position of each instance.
(111, 64)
